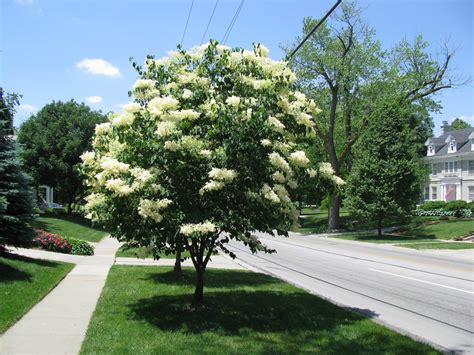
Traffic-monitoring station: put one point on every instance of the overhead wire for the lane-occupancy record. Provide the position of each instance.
(314, 29)
(187, 22)
(209, 22)
(232, 22)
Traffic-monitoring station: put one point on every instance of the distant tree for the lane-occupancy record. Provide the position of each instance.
(53, 142)
(459, 124)
(345, 70)
(385, 179)
(16, 199)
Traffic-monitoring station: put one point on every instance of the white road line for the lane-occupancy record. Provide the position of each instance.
(426, 282)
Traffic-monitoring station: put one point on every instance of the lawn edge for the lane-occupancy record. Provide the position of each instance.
(43, 296)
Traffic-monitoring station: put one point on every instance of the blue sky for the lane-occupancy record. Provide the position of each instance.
(44, 43)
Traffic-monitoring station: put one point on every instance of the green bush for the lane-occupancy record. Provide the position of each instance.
(470, 205)
(432, 205)
(80, 247)
(456, 205)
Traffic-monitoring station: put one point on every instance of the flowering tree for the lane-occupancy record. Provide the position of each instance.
(205, 154)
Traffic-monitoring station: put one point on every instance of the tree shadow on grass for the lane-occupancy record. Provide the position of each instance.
(41, 262)
(278, 321)
(214, 278)
(9, 273)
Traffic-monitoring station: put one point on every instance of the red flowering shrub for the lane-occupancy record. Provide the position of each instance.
(51, 242)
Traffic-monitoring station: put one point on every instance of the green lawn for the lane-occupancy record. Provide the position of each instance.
(23, 282)
(70, 226)
(439, 245)
(146, 310)
(143, 252)
(443, 229)
(384, 239)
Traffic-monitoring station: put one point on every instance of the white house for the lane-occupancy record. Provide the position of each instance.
(451, 157)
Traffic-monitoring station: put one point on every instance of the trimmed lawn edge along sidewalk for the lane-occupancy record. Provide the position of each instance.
(243, 312)
(24, 282)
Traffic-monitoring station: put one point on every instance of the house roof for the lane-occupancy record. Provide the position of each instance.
(461, 136)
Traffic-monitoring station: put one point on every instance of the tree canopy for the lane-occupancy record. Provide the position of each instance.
(53, 140)
(385, 179)
(206, 154)
(345, 70)
(16, 199)
(458, 123)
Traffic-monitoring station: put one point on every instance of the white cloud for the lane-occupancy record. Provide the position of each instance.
(465, 118)
(28, 108)
(23, 2)
(94, 99)
(97, 66)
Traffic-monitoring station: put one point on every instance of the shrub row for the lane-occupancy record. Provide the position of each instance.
(440, 212)
(447, 206)
(54, 242)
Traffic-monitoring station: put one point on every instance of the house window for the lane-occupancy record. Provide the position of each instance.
(430, 150)
(470, 195)
(450, 167)
(434, 193)
(452, 146)
(427, 193)
(471, 167)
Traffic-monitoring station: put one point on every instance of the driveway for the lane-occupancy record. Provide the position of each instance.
(428, 296)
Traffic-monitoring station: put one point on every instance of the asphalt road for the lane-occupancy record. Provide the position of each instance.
(427, 296)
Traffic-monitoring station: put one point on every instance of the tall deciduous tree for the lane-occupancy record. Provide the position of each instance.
(16, 199)
(385, 179)
(458, 123)
(53, 142)
(206, 154)
(343, 67)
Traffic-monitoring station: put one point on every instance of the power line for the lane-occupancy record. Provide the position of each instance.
(232, 22)
(187, 21)
(314, 29)
(210, 19)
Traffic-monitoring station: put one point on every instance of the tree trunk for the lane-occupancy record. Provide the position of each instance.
(379, 228)
(199, 291)
(334, 209)
(70, 200)
(177, 264)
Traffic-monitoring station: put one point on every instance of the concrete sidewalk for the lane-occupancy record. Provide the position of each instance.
(58, 323)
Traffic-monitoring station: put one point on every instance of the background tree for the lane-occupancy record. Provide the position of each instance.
(53, 141)
(16, 200)
(458, 123)
(385, 179)
(343, 68)
(204, 155)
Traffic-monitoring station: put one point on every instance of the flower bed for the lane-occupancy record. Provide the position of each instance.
(54, 242)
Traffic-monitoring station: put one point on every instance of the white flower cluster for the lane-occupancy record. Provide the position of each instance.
(279, 162)
(269, 194)
(219, 177)
(102, 128)
(88, 158)
(299, 158)
(132, 107)
(160, 104)
(142, 176)
(326, 169)
(233, 101)
(118, 187)
(95, 200)
(275, 124)
(225, 175)
(144, 88)
(125, 119)
(178, 115)
(113, 166)
(152, 208)
(166, 128)
(203, 228)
